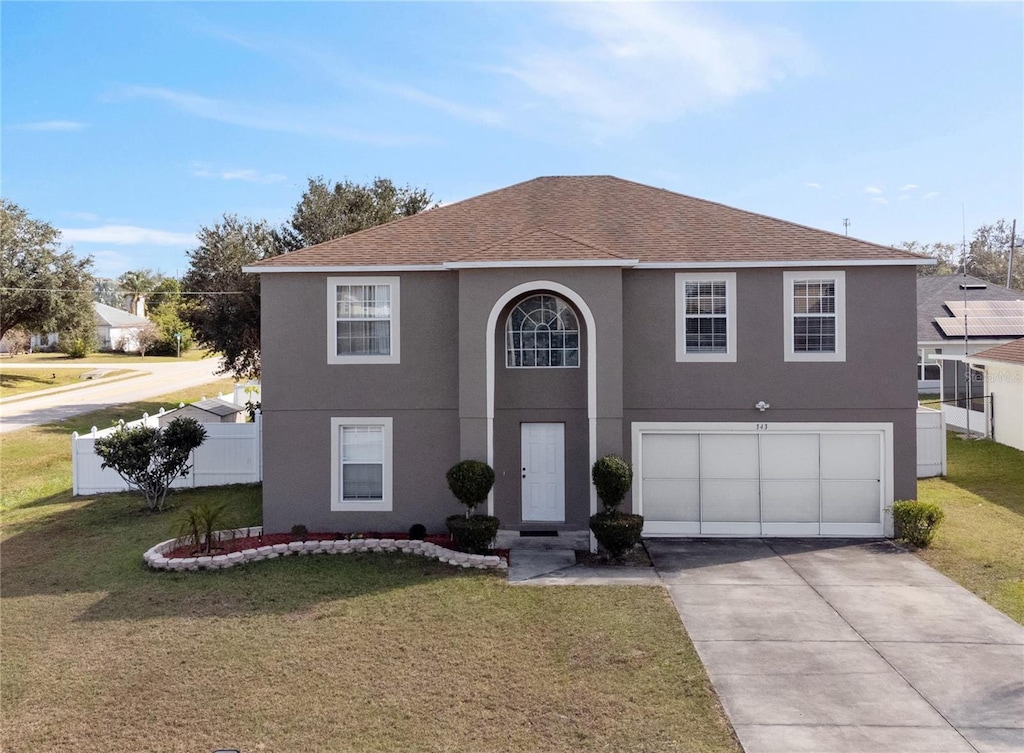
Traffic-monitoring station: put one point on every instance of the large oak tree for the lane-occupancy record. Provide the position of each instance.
(223, 307)
(45, 288)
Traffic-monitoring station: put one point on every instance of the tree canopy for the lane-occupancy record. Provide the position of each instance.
(988, 255)
(225, 315)
(45, 288)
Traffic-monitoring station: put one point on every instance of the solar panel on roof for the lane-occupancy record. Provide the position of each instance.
(984, 319)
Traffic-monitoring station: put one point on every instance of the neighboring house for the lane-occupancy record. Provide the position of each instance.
(1002, 368)
(755, 372)
(940, 328)
(212, 410)
(117, 329)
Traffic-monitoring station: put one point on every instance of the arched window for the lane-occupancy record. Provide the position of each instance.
(542, 331)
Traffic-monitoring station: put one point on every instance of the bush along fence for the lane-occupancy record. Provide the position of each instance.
(154, 557)
(231, 454)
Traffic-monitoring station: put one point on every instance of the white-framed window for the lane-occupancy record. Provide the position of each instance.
(927, 369)
(815, 313)
(706, 316)
(361, 464)
(542, 331)
(363, 319)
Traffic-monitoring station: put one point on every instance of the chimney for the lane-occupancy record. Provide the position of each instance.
(140, 306)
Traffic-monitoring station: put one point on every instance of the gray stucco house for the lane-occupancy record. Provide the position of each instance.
(757, 373)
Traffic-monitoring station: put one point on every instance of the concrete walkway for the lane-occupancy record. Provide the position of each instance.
(846, 647)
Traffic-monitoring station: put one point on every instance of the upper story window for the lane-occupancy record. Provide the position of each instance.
(706, 317)
(363, 319)
(815, 316)
(542, 331)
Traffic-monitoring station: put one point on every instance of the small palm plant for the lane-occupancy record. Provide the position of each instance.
(199, 524)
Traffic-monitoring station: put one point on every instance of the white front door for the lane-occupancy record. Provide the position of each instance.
(543, 472)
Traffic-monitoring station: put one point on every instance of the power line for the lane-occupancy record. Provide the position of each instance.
(90, 291)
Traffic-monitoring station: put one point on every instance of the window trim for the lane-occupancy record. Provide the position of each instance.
(838, 278)
(332, 318)
(729, 278)
(338, 502)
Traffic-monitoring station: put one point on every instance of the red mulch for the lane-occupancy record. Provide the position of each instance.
(252, 542)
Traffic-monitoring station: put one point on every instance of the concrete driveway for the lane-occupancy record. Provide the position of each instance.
(846, 647)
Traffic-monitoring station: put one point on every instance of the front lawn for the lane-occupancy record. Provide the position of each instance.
(23, 381)
(105, 356)
(981, 542)
(326, 653)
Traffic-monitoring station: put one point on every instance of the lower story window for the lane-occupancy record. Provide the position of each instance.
(361, 464)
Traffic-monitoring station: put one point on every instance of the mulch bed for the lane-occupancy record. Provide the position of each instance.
(227, 546)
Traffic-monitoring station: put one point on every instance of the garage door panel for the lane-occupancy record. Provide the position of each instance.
(733, 500)
(729, 456)
(850, 502)
(671, 456)
(789, 456)
(789, 501)
(850, 456)
(671, 499)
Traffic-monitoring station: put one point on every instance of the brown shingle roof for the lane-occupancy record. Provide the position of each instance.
(591, 217)
(1011, 352)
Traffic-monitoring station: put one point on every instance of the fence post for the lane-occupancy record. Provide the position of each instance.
(74, 464)
(258, 416)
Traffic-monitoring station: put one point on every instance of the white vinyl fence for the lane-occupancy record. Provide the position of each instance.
(931, 443)
(231, 454)
(960, 417)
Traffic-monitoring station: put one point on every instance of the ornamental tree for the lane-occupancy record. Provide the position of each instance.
(150, 458)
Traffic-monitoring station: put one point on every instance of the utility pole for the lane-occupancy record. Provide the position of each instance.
(1009, 265)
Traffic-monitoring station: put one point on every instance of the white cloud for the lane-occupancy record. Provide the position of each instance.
(880, 200)
(930, 195)
(51, 125)
(813, 185)
(126, 235)
(293, 120)
(203, 170)
(909, 187)
(642, 63)
(872, 189)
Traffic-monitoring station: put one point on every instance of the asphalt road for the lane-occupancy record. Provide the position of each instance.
(61, 404)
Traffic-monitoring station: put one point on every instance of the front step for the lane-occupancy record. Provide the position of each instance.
(542, 539)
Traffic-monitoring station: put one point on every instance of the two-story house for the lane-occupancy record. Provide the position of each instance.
(757, 373)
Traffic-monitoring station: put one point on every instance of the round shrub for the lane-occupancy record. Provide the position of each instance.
(617, 532)
(916, 522)
(470, 482)
(612, 477)
(417, 532)
(473, 534)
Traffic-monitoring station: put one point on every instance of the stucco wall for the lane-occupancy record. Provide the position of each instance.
(875, 383)
(1006, 385)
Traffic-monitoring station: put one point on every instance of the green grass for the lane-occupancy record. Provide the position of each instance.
(980, 544)
(326, 653)
(26, 381)
(113, 357)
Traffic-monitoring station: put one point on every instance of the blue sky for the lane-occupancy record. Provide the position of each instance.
(130, 125)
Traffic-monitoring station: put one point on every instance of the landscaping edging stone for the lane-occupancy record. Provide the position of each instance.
(154, 556)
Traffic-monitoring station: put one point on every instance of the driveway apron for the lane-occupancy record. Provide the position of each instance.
(827, 646)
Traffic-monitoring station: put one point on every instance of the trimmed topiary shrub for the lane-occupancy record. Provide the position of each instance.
(612, 477)
(916, 522)
(471, 482)
(616, 532)
(473, 534)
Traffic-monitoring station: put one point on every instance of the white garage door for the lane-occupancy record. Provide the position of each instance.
(785, 480)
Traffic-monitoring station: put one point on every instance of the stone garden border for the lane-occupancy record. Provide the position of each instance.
(154, 556)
